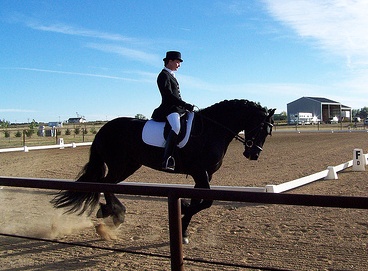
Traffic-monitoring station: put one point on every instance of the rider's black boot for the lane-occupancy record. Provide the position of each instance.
(169, 161)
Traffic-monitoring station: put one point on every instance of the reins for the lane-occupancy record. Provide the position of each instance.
(236, 135)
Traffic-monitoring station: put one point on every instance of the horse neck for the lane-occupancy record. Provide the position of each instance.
(228, 116)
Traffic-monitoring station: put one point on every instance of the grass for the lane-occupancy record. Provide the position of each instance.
(16, 136)
(35, 140)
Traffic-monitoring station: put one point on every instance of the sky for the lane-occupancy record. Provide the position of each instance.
(100, 59)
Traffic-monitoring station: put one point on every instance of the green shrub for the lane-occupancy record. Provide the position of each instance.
(29, 132)
(93, 130)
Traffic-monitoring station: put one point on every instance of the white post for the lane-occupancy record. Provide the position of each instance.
(61, 142)
(270, 188)
(358, 160)
(331, 174)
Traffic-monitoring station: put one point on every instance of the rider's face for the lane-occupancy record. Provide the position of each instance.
(173, 64)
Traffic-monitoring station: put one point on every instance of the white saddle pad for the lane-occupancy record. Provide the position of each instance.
(153, 133)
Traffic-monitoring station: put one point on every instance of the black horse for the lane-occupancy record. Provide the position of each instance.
(118, 149)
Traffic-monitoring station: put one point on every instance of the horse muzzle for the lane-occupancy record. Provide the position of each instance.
(253, 153)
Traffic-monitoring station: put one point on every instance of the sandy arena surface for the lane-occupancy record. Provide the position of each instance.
(243, 235)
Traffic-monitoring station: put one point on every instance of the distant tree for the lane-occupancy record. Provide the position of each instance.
(140, 116)
(93, 130)
(4, 125)
(32, 128)
(282, 116)
(362, 113)
(33, 125)
(355, 112)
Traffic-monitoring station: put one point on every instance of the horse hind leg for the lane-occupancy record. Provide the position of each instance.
(113, 206)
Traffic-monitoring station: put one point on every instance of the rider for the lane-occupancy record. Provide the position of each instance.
(172, 106)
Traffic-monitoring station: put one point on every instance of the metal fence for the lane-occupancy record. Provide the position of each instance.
(175, 192)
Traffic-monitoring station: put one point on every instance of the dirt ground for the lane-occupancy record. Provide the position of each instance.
(240, 234)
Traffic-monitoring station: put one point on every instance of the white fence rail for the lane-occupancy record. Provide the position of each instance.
(359, 162)
(61, 145)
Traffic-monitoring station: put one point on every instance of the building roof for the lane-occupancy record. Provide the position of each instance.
(323, 100)
(80, 118)
(326, 101)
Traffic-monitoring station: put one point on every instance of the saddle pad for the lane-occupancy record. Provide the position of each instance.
(153, 133)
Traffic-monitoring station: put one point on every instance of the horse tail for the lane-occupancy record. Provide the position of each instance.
(80, 202)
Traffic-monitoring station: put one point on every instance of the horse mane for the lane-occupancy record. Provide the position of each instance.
(230, 105)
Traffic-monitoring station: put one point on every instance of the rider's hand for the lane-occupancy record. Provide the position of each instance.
(189, 107)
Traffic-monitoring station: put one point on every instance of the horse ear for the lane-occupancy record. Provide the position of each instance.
(271, 111)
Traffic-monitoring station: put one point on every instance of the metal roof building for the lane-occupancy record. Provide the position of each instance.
(324, 109)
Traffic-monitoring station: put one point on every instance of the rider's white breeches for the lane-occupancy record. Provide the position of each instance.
(174, 120)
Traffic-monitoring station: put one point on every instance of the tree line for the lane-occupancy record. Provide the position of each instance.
(361, 113)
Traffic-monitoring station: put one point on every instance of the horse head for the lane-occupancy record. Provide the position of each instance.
(255, 136)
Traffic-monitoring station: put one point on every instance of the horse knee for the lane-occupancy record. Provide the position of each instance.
(184, 206)
(207, 204)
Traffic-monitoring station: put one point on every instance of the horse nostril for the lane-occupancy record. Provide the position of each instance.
(255, 157)
(251, 156)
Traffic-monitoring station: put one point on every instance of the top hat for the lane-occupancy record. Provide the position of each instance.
(173, 55)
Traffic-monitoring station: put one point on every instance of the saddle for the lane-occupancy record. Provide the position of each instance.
(154, 133)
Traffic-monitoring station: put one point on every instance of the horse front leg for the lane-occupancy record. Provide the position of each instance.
(113, 208)
(202, 180)
(195, 207)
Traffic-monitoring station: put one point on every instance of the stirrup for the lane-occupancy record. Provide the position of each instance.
(169, 164)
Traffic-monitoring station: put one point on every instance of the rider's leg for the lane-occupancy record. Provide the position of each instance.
(169, 161)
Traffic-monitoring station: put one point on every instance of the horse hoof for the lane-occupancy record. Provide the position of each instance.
(185, 237)
(118, 219)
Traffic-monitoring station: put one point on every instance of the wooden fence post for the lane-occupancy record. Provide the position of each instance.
(176, 239)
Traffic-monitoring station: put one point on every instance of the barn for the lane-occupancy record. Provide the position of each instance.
(322, 109)
(77, 120)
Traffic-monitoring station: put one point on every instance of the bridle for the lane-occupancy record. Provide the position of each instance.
(249, 142)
